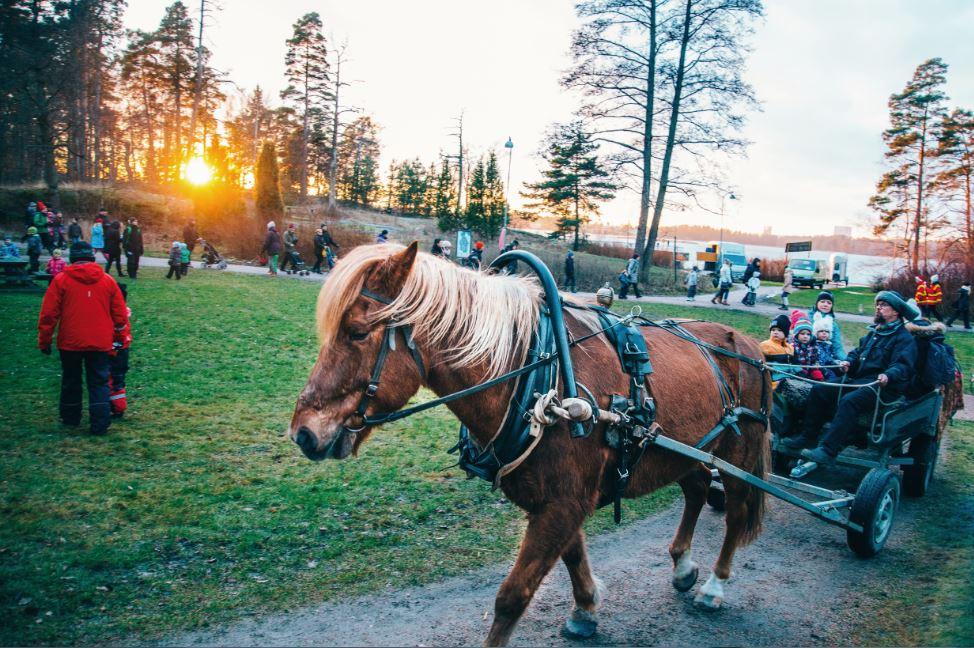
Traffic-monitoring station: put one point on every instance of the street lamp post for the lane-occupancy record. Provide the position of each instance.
(723, 197)
(509, 145)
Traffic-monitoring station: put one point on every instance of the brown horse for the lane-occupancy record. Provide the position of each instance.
(470, 326)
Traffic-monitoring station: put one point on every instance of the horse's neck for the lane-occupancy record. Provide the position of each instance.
(483, 412)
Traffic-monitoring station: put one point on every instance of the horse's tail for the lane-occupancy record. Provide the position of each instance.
(756, 499)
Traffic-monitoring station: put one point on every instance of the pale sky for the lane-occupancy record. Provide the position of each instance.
(823, 70)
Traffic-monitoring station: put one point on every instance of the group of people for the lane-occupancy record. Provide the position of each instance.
(325, 249)
(443, 249)
(807, 344)
(885, 357)
(929, 296)
(45, 231)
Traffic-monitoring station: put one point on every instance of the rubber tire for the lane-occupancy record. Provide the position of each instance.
(917, 478)
(870, 499)
(716, 498)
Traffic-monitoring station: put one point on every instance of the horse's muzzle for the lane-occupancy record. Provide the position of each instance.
(339, 447)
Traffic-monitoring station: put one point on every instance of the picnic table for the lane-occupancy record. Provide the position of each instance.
(15, 274)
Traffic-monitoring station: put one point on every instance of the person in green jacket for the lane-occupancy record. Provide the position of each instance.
(184, 255)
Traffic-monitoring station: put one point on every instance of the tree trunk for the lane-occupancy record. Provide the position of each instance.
(644, 193)
(670, 142)
(333, 163)
(918, 215)
(198, 82)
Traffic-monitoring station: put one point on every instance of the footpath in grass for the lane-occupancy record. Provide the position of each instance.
(195, 509)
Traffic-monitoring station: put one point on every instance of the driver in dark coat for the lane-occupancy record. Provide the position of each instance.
(887, 354)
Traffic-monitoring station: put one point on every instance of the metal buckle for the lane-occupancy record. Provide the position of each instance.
(371, 390)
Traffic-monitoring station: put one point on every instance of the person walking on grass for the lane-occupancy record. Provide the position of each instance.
(86, 307)
(272, 248)
(787, 288)
(184, 258)
(724, 281)
(113, 248)
(175, 259)
(55, 264)
(133, 246)
(630, 278)
(962, 305)
(570, 271)
(693, 278)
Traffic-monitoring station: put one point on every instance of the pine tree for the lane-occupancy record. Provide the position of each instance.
(575, 180)
(266, 187)
(308, 83)
(444, 198)
(916, 116)
(955, 181)
(474, 217)
(175, 49)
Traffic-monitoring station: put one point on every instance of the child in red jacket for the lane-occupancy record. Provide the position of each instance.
(119, 363)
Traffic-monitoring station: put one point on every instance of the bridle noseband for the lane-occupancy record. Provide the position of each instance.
(388, 344)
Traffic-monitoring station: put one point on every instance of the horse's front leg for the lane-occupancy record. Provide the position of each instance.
(586, 588)
(695, 487)
(549, 534)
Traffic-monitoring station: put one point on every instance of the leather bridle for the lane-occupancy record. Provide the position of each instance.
(392, 327)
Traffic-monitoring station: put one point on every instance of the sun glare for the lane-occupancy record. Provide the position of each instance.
(198, 172)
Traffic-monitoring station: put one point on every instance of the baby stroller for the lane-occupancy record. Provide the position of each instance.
(211, 258)
(297, 264)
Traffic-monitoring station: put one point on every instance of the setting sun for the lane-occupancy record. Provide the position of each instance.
(198, 172)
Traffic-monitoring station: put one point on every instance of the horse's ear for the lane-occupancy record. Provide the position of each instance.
(393, 271)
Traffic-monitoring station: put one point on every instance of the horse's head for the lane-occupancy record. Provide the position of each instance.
(352, 322)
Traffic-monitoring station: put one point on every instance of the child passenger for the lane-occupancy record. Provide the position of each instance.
(806, 350)
(822, 330)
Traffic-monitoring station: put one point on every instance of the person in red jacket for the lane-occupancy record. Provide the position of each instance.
(88, 310)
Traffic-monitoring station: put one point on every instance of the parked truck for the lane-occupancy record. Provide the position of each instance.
(715, 254)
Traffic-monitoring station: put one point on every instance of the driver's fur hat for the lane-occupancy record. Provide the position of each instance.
(907, 311)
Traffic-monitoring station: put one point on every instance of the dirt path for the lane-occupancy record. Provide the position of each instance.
(799, 584)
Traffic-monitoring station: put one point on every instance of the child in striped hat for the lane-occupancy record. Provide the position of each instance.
(806, 351)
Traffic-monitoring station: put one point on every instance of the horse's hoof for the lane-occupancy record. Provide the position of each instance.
(687, 581)
(581, 624)
(708, 602)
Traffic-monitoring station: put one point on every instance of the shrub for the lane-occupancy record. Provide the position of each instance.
(614, 250)
(773, 269)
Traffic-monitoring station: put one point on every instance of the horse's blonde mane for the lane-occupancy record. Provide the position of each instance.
(469, 317)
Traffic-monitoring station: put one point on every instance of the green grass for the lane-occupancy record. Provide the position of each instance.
(847, 300)
(929, 597)
(195, 509)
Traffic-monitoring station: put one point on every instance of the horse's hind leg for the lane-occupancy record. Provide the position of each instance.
(586, 588)
(548, 536)
(695, 486)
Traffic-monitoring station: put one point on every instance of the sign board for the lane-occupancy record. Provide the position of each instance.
(463, 244)
(704, 257)
(798, 246)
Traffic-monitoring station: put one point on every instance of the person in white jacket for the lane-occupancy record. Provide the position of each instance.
(752, 289)
(725, 280)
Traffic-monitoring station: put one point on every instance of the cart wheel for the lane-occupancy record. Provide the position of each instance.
(873, 509)
(917, 478)
(716, 497)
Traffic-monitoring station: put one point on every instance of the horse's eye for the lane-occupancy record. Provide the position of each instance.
(357, 336)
